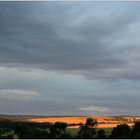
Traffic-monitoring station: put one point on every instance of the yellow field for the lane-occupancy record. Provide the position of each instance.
(103, 121)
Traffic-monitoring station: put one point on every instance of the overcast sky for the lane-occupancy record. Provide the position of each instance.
(70, 58)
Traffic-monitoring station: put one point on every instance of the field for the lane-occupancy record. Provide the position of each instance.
(42, 126)
(103, 121)
(74, 131)
(74, 121)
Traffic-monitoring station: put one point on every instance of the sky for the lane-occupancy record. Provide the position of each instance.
(70, 58)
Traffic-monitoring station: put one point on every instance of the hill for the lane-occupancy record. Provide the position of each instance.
(74, 121)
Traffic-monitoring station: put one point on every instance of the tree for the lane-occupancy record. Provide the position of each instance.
(91, 122)
(88, 130)
(101, 134)
(26, 131)
(58, 130)
(19, 127)
(136, 130)
(60, 125)
(34, 133)
(121, 131)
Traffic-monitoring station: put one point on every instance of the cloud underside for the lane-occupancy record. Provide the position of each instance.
(90, 39)
(18, 94)
(69, 57)
(95, 109)
(49, 93)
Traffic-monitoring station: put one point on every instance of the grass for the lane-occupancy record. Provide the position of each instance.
(107, 130)
(74, 131)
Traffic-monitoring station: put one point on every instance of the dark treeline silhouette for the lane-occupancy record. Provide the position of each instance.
(58, 130)
(87, 130)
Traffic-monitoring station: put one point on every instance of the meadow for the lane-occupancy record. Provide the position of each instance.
(74, 131)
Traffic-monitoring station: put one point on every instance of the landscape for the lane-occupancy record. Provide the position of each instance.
(103, 121)
(99, 127)
(69, 69)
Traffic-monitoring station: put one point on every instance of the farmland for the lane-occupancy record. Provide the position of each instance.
(69, 126)
(74, 121)
(103, 121)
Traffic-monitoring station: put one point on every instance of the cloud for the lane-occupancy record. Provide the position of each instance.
(95, 109)
(62, 94)
(18, 94)
(49, 51)
(80, 38)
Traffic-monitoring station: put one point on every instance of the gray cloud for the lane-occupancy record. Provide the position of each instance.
(89, 41)
(47, 48)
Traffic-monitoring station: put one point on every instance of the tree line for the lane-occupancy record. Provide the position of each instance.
(58, 130)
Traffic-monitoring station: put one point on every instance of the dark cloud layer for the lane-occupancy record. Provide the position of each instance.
(97, 40)
(92, 38)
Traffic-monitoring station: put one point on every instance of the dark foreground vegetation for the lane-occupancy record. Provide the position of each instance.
(59, 130)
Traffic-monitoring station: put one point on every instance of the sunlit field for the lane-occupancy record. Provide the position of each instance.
(103, 121)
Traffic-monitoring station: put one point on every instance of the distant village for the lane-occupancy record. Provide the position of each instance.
(131, 119)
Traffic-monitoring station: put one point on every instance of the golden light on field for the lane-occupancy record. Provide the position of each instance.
(103, 121)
